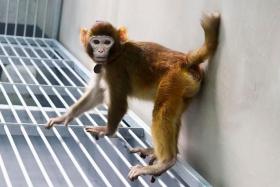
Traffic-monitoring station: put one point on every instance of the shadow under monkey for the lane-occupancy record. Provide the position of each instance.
(144, 70)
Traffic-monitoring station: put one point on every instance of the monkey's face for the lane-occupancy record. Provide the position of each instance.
(101, 46)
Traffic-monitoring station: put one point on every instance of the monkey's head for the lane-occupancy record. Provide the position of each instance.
(103, 41)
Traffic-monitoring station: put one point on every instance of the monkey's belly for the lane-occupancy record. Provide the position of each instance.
(147, 93)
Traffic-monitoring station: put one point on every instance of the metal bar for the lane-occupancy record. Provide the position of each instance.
(16, 45)
(35, 18)
(25, 19)
(5, 173)
(7, 17)
(56, 19)
(45, 18)
(44, 86)
(34, 108)
(16, 20)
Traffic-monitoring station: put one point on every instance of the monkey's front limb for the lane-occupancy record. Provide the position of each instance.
(117, 109)
(93, 96)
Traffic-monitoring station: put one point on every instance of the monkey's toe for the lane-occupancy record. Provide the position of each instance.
(142, 151)
(135, 172)
(153, 159)
(97, 132)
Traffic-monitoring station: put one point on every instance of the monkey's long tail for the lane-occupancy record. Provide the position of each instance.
(210, 24)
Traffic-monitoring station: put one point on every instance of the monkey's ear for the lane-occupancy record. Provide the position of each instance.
(84, 36)
(123, 34)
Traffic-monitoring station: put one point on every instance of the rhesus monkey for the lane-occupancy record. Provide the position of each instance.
(144, 70)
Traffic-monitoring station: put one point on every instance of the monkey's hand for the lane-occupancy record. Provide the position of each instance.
(65, 119)
(99, 131)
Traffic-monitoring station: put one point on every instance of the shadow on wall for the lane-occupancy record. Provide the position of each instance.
(202, 126)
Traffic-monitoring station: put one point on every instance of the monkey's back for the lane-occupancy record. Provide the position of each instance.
(146, 63)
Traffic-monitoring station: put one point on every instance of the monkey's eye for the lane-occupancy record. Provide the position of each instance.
(107, 42)
(96, 41)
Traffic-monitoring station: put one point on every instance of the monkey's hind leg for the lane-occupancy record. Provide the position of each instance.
(167, 111)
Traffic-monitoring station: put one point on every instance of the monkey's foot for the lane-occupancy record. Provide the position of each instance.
(154, 170)
(97, 132)
(144, 152)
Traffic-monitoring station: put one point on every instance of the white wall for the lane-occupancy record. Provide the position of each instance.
(231, 131)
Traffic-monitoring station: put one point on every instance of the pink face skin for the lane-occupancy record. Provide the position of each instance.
(101, 46)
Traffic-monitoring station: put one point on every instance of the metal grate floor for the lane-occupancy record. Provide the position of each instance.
(38, 80)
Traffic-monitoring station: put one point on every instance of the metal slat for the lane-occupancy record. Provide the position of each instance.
(35, 18)
(45, 18)
(25, 18)
(5, 173)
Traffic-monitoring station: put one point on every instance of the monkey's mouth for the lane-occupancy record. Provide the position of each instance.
(100, 60)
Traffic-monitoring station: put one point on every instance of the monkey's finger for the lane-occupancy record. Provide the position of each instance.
(49, 124)
(142, 155)
(131, 175)
(96, 137)
(93, 132)
(138, 150)
(151, 162)
(153, 179)
(134, 150)
(67, 121)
